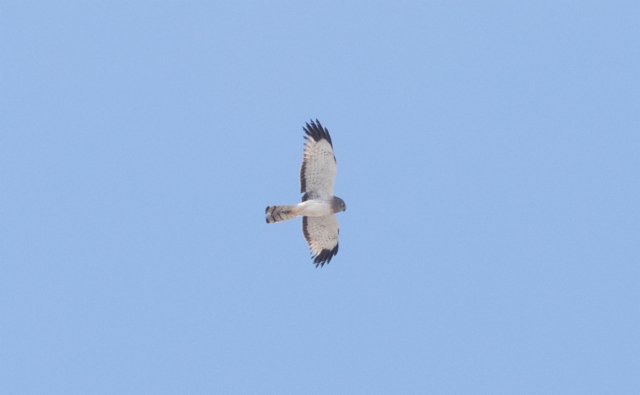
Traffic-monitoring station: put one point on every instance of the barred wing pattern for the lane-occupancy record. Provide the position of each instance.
(322, 235)
(317, 174)
(318, 170)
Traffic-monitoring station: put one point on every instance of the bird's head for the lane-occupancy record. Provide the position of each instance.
(338, 204)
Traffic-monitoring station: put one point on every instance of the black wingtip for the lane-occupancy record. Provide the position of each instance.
(316, 131)
(324, 257)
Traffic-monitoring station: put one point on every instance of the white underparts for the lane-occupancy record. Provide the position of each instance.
(314, 208)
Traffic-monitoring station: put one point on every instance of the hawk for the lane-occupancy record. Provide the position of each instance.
(319, 206)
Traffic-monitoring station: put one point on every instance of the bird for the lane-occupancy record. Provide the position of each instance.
(319, 206)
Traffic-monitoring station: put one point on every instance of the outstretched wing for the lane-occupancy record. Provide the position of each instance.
(318, 170)
(322, 235)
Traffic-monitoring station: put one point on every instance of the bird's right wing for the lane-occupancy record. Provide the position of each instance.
(318, 171)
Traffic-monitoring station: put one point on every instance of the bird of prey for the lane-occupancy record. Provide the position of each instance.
(319, 206)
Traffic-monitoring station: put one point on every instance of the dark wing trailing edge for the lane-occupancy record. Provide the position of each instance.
(318, 169)
(321, 234)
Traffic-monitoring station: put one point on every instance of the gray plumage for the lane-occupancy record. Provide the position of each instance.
(317, 175)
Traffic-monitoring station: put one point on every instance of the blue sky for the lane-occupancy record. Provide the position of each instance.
(488, 153)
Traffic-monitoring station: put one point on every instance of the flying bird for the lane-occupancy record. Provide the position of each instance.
(319, 205)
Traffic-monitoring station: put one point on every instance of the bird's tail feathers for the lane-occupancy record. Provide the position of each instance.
(280, 213)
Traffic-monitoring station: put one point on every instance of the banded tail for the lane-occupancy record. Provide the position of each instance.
(280, 213)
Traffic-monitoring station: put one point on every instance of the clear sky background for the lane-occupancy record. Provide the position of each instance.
(488, 153)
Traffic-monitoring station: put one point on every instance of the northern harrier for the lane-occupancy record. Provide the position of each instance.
(319, 206)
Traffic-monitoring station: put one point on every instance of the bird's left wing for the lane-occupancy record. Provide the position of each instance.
(322, 235)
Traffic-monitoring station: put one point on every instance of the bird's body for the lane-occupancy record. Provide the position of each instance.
(308, 208)
(315, 208)
(318, 206)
